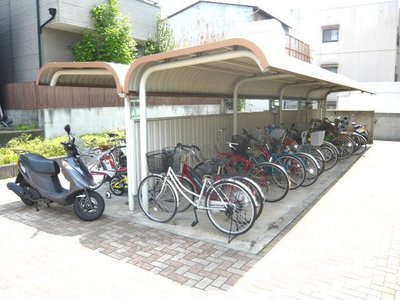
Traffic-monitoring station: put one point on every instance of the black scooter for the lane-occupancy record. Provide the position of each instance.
(37, 181)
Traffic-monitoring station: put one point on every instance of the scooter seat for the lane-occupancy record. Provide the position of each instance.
(40, 164)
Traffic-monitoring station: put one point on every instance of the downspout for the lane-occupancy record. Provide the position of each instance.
(39, 32)
(170, 65)
(52, 12)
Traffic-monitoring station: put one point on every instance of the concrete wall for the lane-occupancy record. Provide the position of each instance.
(19, 59)
(74, 15)
(5, 42)
(25, 117)
(99, 119)
(387, 126)
(57, 45)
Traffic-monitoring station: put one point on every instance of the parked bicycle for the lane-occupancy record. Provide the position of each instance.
(229, 204)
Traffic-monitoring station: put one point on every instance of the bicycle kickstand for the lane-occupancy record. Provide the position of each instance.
(196, 220)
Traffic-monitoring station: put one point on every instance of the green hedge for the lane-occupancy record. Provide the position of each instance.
(47, 147)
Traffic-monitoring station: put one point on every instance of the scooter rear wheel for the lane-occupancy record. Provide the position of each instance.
(89, 208)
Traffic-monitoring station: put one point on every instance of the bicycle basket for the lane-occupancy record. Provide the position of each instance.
(317, 137)
(242, 144)
(160, 160)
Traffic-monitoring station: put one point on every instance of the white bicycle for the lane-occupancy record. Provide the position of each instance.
(229, 204)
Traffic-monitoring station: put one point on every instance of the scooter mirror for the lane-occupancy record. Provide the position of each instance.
(67, 128)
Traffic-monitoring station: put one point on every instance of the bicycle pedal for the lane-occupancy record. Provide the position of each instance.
(194, 223)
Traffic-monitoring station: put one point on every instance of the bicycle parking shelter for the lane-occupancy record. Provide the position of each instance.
(246, 68)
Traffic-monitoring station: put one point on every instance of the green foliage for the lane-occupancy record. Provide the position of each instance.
(164, 40)
(47, 147)
(111, 41)
(24, 127)
(241, 104)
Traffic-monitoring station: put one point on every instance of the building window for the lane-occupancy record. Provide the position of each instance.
(331, 67)
(330, 34)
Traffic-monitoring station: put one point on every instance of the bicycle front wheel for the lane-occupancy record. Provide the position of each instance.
(157, 198)
(295, 169)
(272, 179)
(311, 168)
(230, 207)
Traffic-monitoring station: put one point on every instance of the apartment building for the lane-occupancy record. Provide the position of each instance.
(58, 25)
(358, 39)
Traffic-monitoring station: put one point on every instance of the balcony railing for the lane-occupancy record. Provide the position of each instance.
(297, 49)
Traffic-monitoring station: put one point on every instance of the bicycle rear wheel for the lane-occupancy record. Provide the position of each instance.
(272, 179)
(319, 156)
(360, 144)
(330, 156)
(157, 198)
(230, 207)
(256, 191)
(295, 169)
(345, 145)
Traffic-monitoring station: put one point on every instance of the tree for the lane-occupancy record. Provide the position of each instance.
(241, 104)
(111, 41)
(164, 40)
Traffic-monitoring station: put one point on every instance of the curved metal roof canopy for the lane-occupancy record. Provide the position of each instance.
(214, 69)
(89, 74)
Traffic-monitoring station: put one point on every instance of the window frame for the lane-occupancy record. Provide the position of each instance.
(330, 28)
(329, 67)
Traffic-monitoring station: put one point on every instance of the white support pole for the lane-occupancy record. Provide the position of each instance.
(130, 138)
(325, 108)
(143, 127)
(235, 112)
(280, 117)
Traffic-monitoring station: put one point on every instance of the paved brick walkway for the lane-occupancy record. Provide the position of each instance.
(345, 247)
(187, 261)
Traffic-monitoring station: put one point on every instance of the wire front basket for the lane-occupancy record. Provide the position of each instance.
(159, 161)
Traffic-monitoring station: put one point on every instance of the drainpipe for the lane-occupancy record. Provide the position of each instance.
(38, 33)
(52, 12)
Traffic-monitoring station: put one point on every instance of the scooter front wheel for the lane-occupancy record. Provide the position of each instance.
(89, 206)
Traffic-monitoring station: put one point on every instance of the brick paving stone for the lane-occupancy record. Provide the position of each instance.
(219, 281)
(210, 267)
(204, 283)
(193, 276)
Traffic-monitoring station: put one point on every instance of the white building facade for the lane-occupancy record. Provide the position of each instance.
(358, 40)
